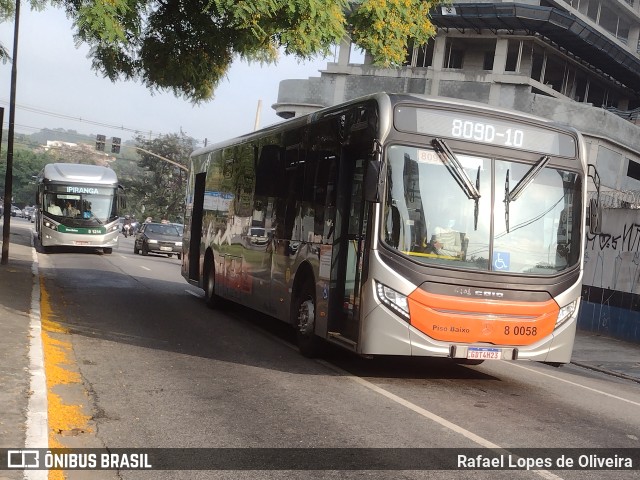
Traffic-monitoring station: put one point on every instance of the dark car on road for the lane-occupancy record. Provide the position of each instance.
(158, 238)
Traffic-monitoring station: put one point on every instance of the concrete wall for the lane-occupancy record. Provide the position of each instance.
(611, 291)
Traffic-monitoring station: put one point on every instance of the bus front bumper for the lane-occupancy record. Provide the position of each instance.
(50, 238)
(384, 333)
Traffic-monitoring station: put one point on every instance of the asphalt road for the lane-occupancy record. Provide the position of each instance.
(149, 365)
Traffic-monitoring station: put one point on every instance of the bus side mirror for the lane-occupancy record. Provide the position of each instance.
(595, 217)
(372, 187)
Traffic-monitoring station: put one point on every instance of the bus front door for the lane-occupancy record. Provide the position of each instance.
(347, 255)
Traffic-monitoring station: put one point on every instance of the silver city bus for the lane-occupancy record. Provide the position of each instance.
(399, 225)
(78, 205)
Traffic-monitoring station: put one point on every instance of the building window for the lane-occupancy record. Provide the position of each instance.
(633, 170)
(420, 55)
(487, 64)
(593, 11)
(554, 74)
(537, 62)
(513, 56)
(596, 94)
(453, 56)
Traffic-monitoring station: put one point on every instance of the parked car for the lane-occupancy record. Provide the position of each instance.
(158, 238)
(16, 212)
(259, 235)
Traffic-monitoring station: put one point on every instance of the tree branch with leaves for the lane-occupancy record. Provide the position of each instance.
(188, 46)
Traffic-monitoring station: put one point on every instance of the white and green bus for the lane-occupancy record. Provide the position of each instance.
(78, 205)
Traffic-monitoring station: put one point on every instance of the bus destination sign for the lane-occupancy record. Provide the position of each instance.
(484, 129)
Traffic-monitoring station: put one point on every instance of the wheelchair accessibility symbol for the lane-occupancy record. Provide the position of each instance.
(501, 260)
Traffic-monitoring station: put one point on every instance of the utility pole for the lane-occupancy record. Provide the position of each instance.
(161, 158)
(8, 182)
(256, 125)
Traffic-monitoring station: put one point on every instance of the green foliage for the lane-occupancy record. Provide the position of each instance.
(187, 46)
(7, 13)
(26, 164)
(159, 192)
(382, 28)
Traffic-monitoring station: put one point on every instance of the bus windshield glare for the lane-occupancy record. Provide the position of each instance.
(431, 219)
(89, 208)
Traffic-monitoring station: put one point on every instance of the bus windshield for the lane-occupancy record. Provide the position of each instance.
(430, 217)
(81, 209)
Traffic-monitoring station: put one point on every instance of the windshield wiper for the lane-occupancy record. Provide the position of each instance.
(457, 172)
(455, 168)
(512, 195)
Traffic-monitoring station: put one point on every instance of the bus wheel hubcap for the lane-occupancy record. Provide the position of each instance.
(306, 317)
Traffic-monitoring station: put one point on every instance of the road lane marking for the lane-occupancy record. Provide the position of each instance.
(399, 400)
(145, 268)
(483, 442)
(37, 429)
(595, 390)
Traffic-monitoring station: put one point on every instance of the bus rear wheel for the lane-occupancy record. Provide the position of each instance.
(303, 312)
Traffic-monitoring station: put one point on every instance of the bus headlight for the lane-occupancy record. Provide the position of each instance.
(565, 313)
(394, 300)
(50, 225)
(178, 244)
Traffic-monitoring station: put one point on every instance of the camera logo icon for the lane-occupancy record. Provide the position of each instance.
(23, 459)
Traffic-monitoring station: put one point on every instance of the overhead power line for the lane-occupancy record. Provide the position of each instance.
(64, 116)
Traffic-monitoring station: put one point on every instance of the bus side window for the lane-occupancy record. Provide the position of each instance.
(294, 178)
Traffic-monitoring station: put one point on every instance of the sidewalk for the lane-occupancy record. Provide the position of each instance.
(591, 351)
(16, 284)
(607, 355)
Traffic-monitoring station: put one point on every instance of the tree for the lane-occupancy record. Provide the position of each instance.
(7, 12)
(187, 46)
(27, 165)
(160, 191)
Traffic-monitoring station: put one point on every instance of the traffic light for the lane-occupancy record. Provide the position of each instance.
(115, 145)
(100, 141)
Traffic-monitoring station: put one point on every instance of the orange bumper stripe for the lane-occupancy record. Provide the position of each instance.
(470, 320)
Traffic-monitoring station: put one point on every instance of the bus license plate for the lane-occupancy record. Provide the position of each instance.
(80, 242)
(484, 353)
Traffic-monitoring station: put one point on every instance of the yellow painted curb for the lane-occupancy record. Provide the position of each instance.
(58, 354)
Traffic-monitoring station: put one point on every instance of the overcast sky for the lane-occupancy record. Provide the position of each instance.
(56, 88)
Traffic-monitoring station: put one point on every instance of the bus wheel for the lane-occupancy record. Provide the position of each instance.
(107, 250)
(304, 309)
(211, 299)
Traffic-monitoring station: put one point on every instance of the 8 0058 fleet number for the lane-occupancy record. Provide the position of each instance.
(521, 331)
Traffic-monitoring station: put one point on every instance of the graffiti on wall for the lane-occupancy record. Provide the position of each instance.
(612, 258)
